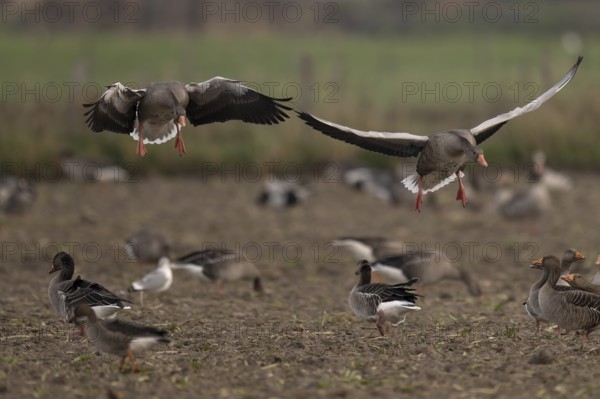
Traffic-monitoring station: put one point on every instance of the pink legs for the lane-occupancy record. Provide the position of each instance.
(461, 195)
(179, 141)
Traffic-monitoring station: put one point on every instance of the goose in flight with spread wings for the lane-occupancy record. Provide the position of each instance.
(441, 155)
(156, 114)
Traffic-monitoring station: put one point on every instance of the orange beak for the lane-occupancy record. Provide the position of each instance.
(579, 256)
(537, 262)
(598, 260)
(568, 277)
(481, 160)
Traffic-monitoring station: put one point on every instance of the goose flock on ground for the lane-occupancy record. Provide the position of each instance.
(157, 113)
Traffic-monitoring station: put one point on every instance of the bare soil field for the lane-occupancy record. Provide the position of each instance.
(299, 339)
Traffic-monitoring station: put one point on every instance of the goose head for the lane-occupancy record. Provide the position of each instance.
(64, 263)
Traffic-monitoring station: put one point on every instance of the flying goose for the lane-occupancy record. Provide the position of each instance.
(531, 304)
(65, 293)
(578, 282)
(156, 114)
(429, 267)
(118, 337)
(443, 155)
(219, 266)
(380, 303)
(147, 246)
(369, 248)
(571, 309)
(158, 280)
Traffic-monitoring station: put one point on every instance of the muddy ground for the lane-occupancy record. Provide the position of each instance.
(299, 339)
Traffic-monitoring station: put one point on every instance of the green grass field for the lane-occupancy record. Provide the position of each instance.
(411, 83)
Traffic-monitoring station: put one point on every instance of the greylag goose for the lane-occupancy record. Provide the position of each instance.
(428, 267)
(369, 248)
(569, 257)
(532, 305)
(17, 195)
(578, 282)
(380, 303)
(88, 170)
(65, 293)
(147, 246)
(443, 155)
(158, 280)
(381, 184)
(571, 309)
(552, 179)
(596, 278)
(156, 114)
(281, 194)
(529, 203)
(118, 337)
(219, 266)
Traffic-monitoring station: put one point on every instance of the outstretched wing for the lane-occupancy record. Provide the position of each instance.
(221, 100)
(115, 110)
(486, 129)
(394, 144)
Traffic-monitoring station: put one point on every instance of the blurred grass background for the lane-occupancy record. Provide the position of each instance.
(355, 68)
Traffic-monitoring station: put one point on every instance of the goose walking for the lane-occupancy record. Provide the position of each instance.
(531, 304)
(64, 293)
(158, 280)
(156, 114)
(570, 309)
(118, 337)
(443, 155)
(381, 303)
(219, 266)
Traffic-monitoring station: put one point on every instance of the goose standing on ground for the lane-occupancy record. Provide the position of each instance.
(156, 114)
(147, 246)
(65, 293)
(578, 282)
(443, 155)
(118, 337)
(532, 304)
(368, 248)
(380, 303)
(17, 195)
(429, 267)
(158, 280)
(529, 203)
(571, 309)
(280, 194)
(552, 179)
(88, 170)
(596, 278)
(569, 257)
(381, 184)
(219, 266)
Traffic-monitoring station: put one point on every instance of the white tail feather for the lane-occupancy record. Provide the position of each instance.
(411, 183)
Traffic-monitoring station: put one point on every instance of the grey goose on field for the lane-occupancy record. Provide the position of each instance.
(569, 309)
(156, 113)
(64, 293)
(219, 266)
(381, 303)
(532, 304)
(368, 248)
(147, 246)
(118, 337)
(442, 155)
